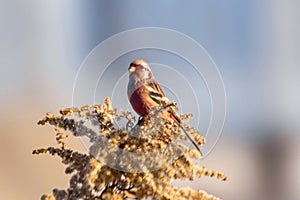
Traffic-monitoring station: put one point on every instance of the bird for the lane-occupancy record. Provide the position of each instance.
(144, 92)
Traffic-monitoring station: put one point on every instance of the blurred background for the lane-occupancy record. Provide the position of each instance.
(255, 45)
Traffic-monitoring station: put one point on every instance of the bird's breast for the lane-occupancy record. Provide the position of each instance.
(139, 101)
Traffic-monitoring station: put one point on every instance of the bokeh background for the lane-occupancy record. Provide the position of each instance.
(255, 45)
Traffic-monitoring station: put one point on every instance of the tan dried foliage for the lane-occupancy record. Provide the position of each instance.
(129, 162)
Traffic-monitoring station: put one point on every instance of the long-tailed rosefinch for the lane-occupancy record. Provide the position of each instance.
(144, 93)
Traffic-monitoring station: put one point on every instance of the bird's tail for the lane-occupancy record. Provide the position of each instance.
(190, 138)
(175, 117)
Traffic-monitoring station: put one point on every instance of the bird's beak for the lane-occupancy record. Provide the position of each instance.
(131, 69)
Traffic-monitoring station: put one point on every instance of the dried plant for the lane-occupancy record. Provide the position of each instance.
(125, 162)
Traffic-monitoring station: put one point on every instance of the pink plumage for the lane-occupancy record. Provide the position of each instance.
(144, 92)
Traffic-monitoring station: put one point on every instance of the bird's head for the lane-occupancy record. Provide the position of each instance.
(139, 70)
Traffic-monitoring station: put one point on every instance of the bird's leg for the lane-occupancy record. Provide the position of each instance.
(142, 120)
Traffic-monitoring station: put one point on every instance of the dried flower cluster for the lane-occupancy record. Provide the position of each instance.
(125, 162)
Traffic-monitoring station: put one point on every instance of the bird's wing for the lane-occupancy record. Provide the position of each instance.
(158, 96)
(156, 93)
